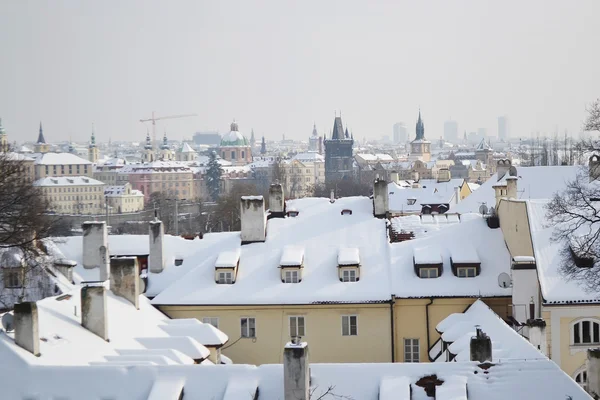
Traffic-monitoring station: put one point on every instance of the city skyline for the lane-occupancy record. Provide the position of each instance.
(223, 61)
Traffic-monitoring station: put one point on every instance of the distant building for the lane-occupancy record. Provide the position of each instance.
(420, 148)
(124, 199)
(207, 138)
(338, 153)
(313, 140)
(400, 133)
(235, 147)
(92, 150)
(503, 128)
(451, 131)
(73, 194)
(41, 146)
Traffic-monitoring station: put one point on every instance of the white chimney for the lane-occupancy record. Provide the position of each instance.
(253, 218)
(332, 196)
(457, 194)
(296, 370)
(381, 200)
(525, 289)
(537, 335)
(26, 326)
(156, 258)
(481, 347)
(94, 310)
(125, 279)
(511, 187)
(276, 200)
(394, 177)
(95, 247)
(593, 372)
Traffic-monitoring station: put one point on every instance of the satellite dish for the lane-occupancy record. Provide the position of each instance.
(7, 322)
(504, 280)
(483, 209)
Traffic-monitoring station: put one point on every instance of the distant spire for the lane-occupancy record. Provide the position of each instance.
(338, 129)
(93, 139)
(148, 145)
(420, 129)
(41, 135)
(314, 132)
(347, 135)
(263, 146)
(2, 131)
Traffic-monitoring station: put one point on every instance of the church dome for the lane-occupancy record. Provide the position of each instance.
(234, 137)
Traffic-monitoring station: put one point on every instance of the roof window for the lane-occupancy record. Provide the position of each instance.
(428, 262)
(346, 212)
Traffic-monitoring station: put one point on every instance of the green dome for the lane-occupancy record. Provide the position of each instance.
(234, 138)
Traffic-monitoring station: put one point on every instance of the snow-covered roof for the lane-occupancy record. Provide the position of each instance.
(458, 329)
(466, 254)
(228, 259)
(60, 159)
(308, 157)
(155, 167)
(427, 255)
(382, 157)
(430, 192)
(186, 148)
(349, 256)
(292, 256)
(532, 379)
(421, 225)
(111, 191)
(206, 334)
(534, 183)
(112, 162)
(67, 181)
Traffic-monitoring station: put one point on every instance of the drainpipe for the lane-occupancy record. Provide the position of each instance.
(392, 329)
(427, 322)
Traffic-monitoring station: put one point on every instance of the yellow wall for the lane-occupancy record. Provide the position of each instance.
(514, 223)
(324, 328)
(465, 190)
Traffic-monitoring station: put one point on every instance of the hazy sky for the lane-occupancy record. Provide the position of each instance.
(278, 66)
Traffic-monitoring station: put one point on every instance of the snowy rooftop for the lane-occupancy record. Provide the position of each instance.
(375, 157)
(67, 181)
(348, 256)
(228, 259)
(154, 167)
(119, 191)
(292, 256)
(309, 157)
(421, 225)
(60, 159)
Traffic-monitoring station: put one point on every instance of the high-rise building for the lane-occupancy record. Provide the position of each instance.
(451, 131)
(400, 133)
(503, 128)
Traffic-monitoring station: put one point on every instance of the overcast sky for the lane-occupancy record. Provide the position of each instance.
(278, 66)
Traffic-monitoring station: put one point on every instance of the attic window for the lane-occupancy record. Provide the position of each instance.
(178, 262)
(292, 264)
(292, 213)
(410, 201)
(465, 261)
(428, 262)
(226, 266)
(349, 264)
(346, 212)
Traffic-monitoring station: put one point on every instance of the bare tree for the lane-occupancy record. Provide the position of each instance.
(592, 122)
(329, 393)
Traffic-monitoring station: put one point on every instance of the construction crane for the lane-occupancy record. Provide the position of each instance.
(154, 119)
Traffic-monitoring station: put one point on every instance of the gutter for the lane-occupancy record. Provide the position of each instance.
(392, 327)
(427, 322)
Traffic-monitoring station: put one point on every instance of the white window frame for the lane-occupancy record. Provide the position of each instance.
(429, 270)
(297, 325)
(580, 322)
(466, 270)
(581, 374)
(349, 275)
(225, 278)
(291, 276)
(411, 355)
(246, 330)
(214, 321)
(347, 323)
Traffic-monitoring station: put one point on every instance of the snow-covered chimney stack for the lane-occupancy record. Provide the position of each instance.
(95, 247)
(502, 167)
(27, 333)
(444, 175)
(156, 258)
(481, 347)
(94, 310)
(594, 167)
(593, 372)
(125, 279)
(276, 201)
(381, 200)
(511, 187)
(296, 370)
(394, 177)
(457, 194)
(253, 219)
(537, 334)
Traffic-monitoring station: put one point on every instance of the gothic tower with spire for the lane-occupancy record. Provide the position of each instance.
(420, 148)
(41, 146)
(166, 154)
(338, 153)
(148, 155)
(263, 147)
(313, 140)
(93, 149)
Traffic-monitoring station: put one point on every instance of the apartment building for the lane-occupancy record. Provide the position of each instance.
(73, 194)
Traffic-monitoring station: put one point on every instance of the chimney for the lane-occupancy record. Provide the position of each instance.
(381, 200)
(394, 177)
(511, 187)
(93, 310)
(593, 372)
(27, 333)
(332, 196)
(415, 176)
(320, 144)
(537, 335)
(253, 218)
(125, 279)
(457, 194)
(481, 347)
(276, 201)
(95, 247)
(156, 258)
(444, 175)
(502, 167)
(594, 167)
(296, 370)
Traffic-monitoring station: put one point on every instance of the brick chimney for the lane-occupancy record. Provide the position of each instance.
(481, 347)
(381, 200)
(156, 258)
(125, 279)
(296, 370)
(95, 247)
(94, 310)
(253, 218)
(26, 325)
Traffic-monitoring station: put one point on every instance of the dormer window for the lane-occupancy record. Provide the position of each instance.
(349, 264)
(292, 213)
(292, 264)
(410, 201)
(465, 261)
(428, 262)
(346, 212)
(226, 267)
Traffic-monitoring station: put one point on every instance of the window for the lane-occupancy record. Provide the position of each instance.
(243, 155)
(428, 272)
(13, 278)
(349, 325)
(411, 350)
(248, 327)
(233, 155)
(297, 326)
(586, 332)
(225, 277)
(466, 272)
(291, 277)
(349, 275)
(411, 201)
(581, 377)
(214, 321)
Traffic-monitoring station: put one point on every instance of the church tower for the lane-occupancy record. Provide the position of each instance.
(4, 146)
(420, 148)
(313, 140)
(165, 150)
(93, 149)
(41, 146)
(148, 155)
(339, 158)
